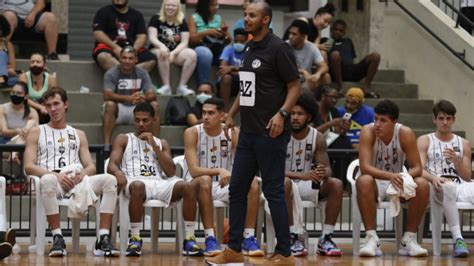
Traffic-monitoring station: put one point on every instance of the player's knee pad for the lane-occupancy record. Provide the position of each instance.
(449, 191)
(49, 184)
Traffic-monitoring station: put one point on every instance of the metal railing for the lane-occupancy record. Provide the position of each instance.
(460, 55)
(19, 201)
(452, 8)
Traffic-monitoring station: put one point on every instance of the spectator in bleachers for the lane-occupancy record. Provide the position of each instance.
(321, 20)
(126, 85)
(116, 26)
(240, 24)
(39, 81)
(169, 35)
(308, 57)
(330, 123)
(308, 177)
(341, 61)
(7, 56)
(17, 118)
(208, 36)
(28, 16)
(360, 114)
(231, 60)
(204, 92)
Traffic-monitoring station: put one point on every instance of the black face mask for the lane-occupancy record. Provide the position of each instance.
(36, 70)
(17, 99)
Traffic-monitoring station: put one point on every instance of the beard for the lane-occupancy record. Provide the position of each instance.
(298, 129)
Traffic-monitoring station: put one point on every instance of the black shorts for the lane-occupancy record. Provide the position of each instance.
(144, 54)
(234, 87)
(21, 24)
(355, 72)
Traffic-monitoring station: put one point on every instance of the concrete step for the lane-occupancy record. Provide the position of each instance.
(406, 105)
(173, 134)
(390, 75)
(416, 121)
(74, 74)
(389, 89)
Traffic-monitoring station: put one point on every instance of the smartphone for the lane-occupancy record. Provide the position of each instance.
(347, 116)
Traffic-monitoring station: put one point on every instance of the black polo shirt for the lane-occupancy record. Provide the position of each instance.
(267, 67)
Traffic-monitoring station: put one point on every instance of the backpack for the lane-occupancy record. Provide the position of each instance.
(177, 111)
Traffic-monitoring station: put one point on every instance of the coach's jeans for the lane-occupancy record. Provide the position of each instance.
(204, 64)
(254, 153)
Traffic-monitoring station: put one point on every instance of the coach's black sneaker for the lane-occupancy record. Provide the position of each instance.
(5, 250)
(53, 56)
(104, 248)
(59, 246)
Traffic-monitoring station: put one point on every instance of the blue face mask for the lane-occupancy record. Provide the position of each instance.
(202, 97)
(238, 47)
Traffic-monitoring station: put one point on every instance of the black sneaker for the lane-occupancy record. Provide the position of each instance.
(53, 56)
(59, 246)
(5, 250)
(10, 236)
(104, 248)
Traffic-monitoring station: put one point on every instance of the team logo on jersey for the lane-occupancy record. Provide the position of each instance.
(135, 152)
(213, 149)
(437, 155)
(147, 159)
(62, 149)
(288, 155)
(299, 152)
(72, 146)
(298, 162)
(49, 143)
(61, 140)
(213, 159)
(456, 149)
(224, 149)
(146, 150)
(203, 153)
(256, 63)
(71, 136)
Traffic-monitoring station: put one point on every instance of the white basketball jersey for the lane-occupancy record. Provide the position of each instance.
(139, 160)
(437, 164)
(389, 157)
(57, 148)
(214, 151)
(300, 153)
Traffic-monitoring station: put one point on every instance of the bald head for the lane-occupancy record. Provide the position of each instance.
(263, 7)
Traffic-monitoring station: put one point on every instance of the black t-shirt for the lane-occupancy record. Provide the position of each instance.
(196, 110)
(267, 67)
(122, 28)
(346, 48)
(319, 120)
(169, 35)
(313, 32)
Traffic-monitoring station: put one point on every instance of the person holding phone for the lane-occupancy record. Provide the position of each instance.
(208, 36)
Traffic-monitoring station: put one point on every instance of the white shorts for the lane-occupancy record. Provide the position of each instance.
(465, 192)
(219, 193)
(382, 187)
(156, 188)
(124, 114)
(306, 192)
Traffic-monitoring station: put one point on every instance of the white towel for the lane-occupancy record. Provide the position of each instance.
(394, 193)
(81, 196)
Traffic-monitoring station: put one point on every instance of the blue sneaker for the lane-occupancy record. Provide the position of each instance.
(191, 248)
(326, 247)
(297, 246)
(134, 248)
(250, 247)
(212, 247)
(460, 248)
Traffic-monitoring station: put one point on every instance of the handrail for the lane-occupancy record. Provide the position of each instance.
(460, 55)
(458, 12)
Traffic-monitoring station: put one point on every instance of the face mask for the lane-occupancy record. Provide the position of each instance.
(202, 97)
(36, 70)
(239, 47)
(17, 99)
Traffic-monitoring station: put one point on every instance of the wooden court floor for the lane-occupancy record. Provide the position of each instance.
(167, 256)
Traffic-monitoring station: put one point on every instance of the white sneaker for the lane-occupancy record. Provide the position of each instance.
(184, 90)
(164, 90)
(409, 247)
(371, 247)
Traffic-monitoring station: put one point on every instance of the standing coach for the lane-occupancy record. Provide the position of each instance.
(269, 87)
